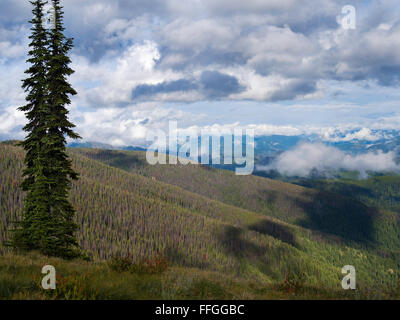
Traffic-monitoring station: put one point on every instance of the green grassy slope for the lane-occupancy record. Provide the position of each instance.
(20, 278)
(123, 212)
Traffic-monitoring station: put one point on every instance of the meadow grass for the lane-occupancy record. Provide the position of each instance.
(20, 278)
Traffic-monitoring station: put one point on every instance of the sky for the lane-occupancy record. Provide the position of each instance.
(277, 66)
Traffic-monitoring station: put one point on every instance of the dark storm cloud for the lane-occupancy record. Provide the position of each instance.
(212, 85)
(389, 75)
(147, 91)
(294, 89)
(217, 85)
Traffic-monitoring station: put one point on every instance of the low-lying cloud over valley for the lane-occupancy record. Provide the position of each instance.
(308, 157)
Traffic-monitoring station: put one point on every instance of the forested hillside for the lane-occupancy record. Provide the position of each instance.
(379, 191)
(316, 209)
(128, 213)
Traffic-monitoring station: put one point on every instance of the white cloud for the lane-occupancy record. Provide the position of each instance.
(129, 125)
(363, 134)
(115, 77)
(305, 157)
(9, 50)
(199, 35)
(277, 50)
(10, 120)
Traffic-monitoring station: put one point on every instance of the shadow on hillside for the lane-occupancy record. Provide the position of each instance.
(278, 231)
(344, 189)
(174, 255)
(269, 198)
(235, 244)
(258, 252)
(341, 216)
(118, 159)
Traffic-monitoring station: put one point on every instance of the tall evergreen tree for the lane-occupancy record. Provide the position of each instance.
(47, 221)
(60, 168)
(35, 182)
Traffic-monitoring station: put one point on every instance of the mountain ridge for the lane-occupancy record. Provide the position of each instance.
(126, 213)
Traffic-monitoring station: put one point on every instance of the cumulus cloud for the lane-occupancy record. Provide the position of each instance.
(11, 123)
(273, 50)
(306, 157)
(362, 134)
(129, 125)
(116, 77)
(209, 85)
(131, 51)
(148, 91)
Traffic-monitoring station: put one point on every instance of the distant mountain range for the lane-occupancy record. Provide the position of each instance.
(104, 146)
(268, 148)
(384, 140)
